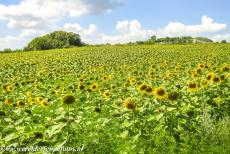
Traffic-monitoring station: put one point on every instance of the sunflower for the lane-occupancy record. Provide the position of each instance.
(160, 93)
(44, 103)
(142, 87)
(94, 87)
(31, 101)
(149, 90)
(9, 88)
(192, 87)
(39, 100)
(106, 94)
(21, 103)
(204, 83)
(210, 76)
(201, 65)
(172, 96)
(222, 78)
(216, 79)
(132, 81)
(81, 87)
(8, 101)
(130, 103)
(199, 71)
(69, 99)
(225, 68)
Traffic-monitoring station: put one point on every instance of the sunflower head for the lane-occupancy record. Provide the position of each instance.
(106, 94)
(172, 96)
(225, 68)
(192, 87)
(149, 90)
(69, 99)
(2, 113)
(8, 101)
(81, 86)
(201, 66)
(8, 88)
(143, 87)
(204, 83)
(130, 103)
(210, 76)
(160, 93)
(216, 79)
(132, 81)
(21, 103)
(94, 87)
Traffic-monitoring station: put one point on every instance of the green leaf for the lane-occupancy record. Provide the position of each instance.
(159, 116)
(124, 134)
(10, 137)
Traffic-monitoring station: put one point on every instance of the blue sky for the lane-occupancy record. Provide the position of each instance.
(112, 21)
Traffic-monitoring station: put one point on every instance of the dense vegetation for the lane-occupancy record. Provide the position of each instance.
(176, 40)
(55, 40)
(118, 99)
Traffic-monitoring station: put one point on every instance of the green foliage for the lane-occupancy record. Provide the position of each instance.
(175, 40)
(223, 41)
(55, 40)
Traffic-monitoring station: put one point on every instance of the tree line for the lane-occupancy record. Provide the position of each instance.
(62, 39)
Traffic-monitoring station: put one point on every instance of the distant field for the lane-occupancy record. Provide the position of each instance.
(117, 99)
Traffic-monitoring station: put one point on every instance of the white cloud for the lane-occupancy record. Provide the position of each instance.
(129, 31)
(21, 40)
(207, 26)
(221, 37)
(12, 42)
(89, 35)
(44, 13)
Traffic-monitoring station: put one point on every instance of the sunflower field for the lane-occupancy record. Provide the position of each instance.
(118, 99)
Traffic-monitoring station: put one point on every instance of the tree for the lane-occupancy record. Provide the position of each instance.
(223, 41)
(55, 40)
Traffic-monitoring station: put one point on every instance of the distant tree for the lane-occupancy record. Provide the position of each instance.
(140, 42)
(223, 41)
(57, 39)
(7, 50)
(153, 38)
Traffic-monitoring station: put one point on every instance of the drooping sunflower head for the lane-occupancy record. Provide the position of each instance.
(69, 99)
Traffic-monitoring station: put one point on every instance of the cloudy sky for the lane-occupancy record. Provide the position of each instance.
(112, 21)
